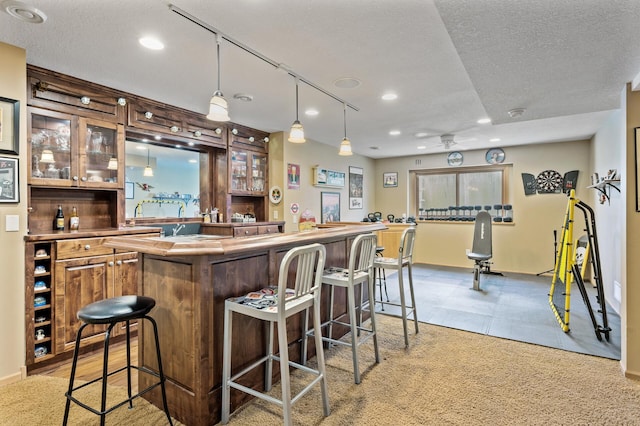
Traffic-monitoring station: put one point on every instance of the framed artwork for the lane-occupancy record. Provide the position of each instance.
(330, 206)
(390, 179)
(355, 187)
(128, 190)
(9, 188)
(293, 176)
(9, 126)
(325, 177)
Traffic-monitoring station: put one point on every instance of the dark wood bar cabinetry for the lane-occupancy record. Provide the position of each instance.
(190, 278)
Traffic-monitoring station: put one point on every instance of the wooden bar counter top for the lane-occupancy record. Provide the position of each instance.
(190, 277)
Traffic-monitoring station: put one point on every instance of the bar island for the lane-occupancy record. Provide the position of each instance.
(190, 276)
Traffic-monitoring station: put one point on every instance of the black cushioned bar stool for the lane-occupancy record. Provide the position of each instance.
(112, 311)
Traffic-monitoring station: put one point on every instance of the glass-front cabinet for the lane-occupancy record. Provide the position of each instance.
(66, 150)
(248, 172)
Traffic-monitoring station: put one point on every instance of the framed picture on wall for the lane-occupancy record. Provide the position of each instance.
(128, 190)
(9, 125)
(355, 187)
(9, 188)
(330, 206)
(390, 179)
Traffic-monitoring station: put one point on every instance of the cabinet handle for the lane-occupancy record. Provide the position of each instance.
(246, 232)
(111, 263)
(83, 178)
(87, 247)
(119, 262)
(75, 178)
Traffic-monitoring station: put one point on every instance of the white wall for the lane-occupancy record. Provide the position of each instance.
(13, 81)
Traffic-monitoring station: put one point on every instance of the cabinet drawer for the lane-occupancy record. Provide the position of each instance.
(245, 231)
(268, 229)
(81, 247)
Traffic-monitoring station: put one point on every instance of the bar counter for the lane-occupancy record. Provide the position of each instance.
(190, 277)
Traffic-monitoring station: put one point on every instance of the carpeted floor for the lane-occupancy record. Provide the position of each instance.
(445, 377)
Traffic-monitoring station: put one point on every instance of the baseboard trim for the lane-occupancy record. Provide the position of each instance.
(13, 378)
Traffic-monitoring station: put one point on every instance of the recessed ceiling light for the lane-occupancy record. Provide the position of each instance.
(311, 112)
(421, 147)
(145, 140)
(389, 96)
(151, 43)
(193, 161)
(395, 132)
(24, 12)
(421, 134)
(494, 140)
(374, 147)
(243, 97)
(157, 137)
(347, 83)
(141, 147)
(484, 121)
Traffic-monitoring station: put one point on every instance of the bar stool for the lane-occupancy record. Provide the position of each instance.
(112, 311)
(307, 280)
(381, 277)
(405, 258)
(360, 271)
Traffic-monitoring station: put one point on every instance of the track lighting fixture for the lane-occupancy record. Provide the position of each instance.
(345, 145)
(296, 135)
(218, 107)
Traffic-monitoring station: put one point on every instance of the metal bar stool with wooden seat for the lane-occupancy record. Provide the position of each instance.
(405, 258)
(306, 264)
(360, 271)
(110, 312)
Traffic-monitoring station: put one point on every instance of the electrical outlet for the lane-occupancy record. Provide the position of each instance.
(275, 214)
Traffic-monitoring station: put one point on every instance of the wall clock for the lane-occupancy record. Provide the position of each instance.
(549, 182)
(494, 156)
(454, 158)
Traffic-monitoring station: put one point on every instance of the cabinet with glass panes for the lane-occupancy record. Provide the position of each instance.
(70, 151)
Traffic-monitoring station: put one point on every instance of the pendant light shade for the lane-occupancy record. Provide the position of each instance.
(47, 156)
(148, 171)
(296, 134)
(218, 107)
(345, 145)
(113, 164)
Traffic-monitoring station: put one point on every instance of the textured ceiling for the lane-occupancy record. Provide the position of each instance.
(451, 62)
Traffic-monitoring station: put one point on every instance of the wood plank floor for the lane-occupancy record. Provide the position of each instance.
(90, 366)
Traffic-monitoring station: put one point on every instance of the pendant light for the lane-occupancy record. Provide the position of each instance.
(218, 107)
(148, 171)
(345, 145)
(296, 134)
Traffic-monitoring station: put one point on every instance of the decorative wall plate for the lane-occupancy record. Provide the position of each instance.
(494, 156)
(275, 194)
(549, 182)
(454, 158)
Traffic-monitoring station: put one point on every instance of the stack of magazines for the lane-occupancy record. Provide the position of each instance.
(264, 299)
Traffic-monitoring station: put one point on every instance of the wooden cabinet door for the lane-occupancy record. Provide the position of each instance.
(79, 282)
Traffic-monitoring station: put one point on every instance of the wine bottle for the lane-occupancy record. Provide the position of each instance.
(74, 220)
(58, 221)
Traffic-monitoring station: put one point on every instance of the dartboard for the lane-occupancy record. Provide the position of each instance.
(549, 181)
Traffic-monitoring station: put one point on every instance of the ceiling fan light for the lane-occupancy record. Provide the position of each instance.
(296, 134)
(345, 147)
(218, 108)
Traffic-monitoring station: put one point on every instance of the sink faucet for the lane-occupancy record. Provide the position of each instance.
(177, 228)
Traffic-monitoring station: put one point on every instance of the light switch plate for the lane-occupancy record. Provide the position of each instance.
(12, 223)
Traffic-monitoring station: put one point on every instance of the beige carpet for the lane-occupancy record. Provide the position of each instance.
(446, 377)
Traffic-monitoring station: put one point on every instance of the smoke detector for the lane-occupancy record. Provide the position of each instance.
(24, 12)
(243, 97)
